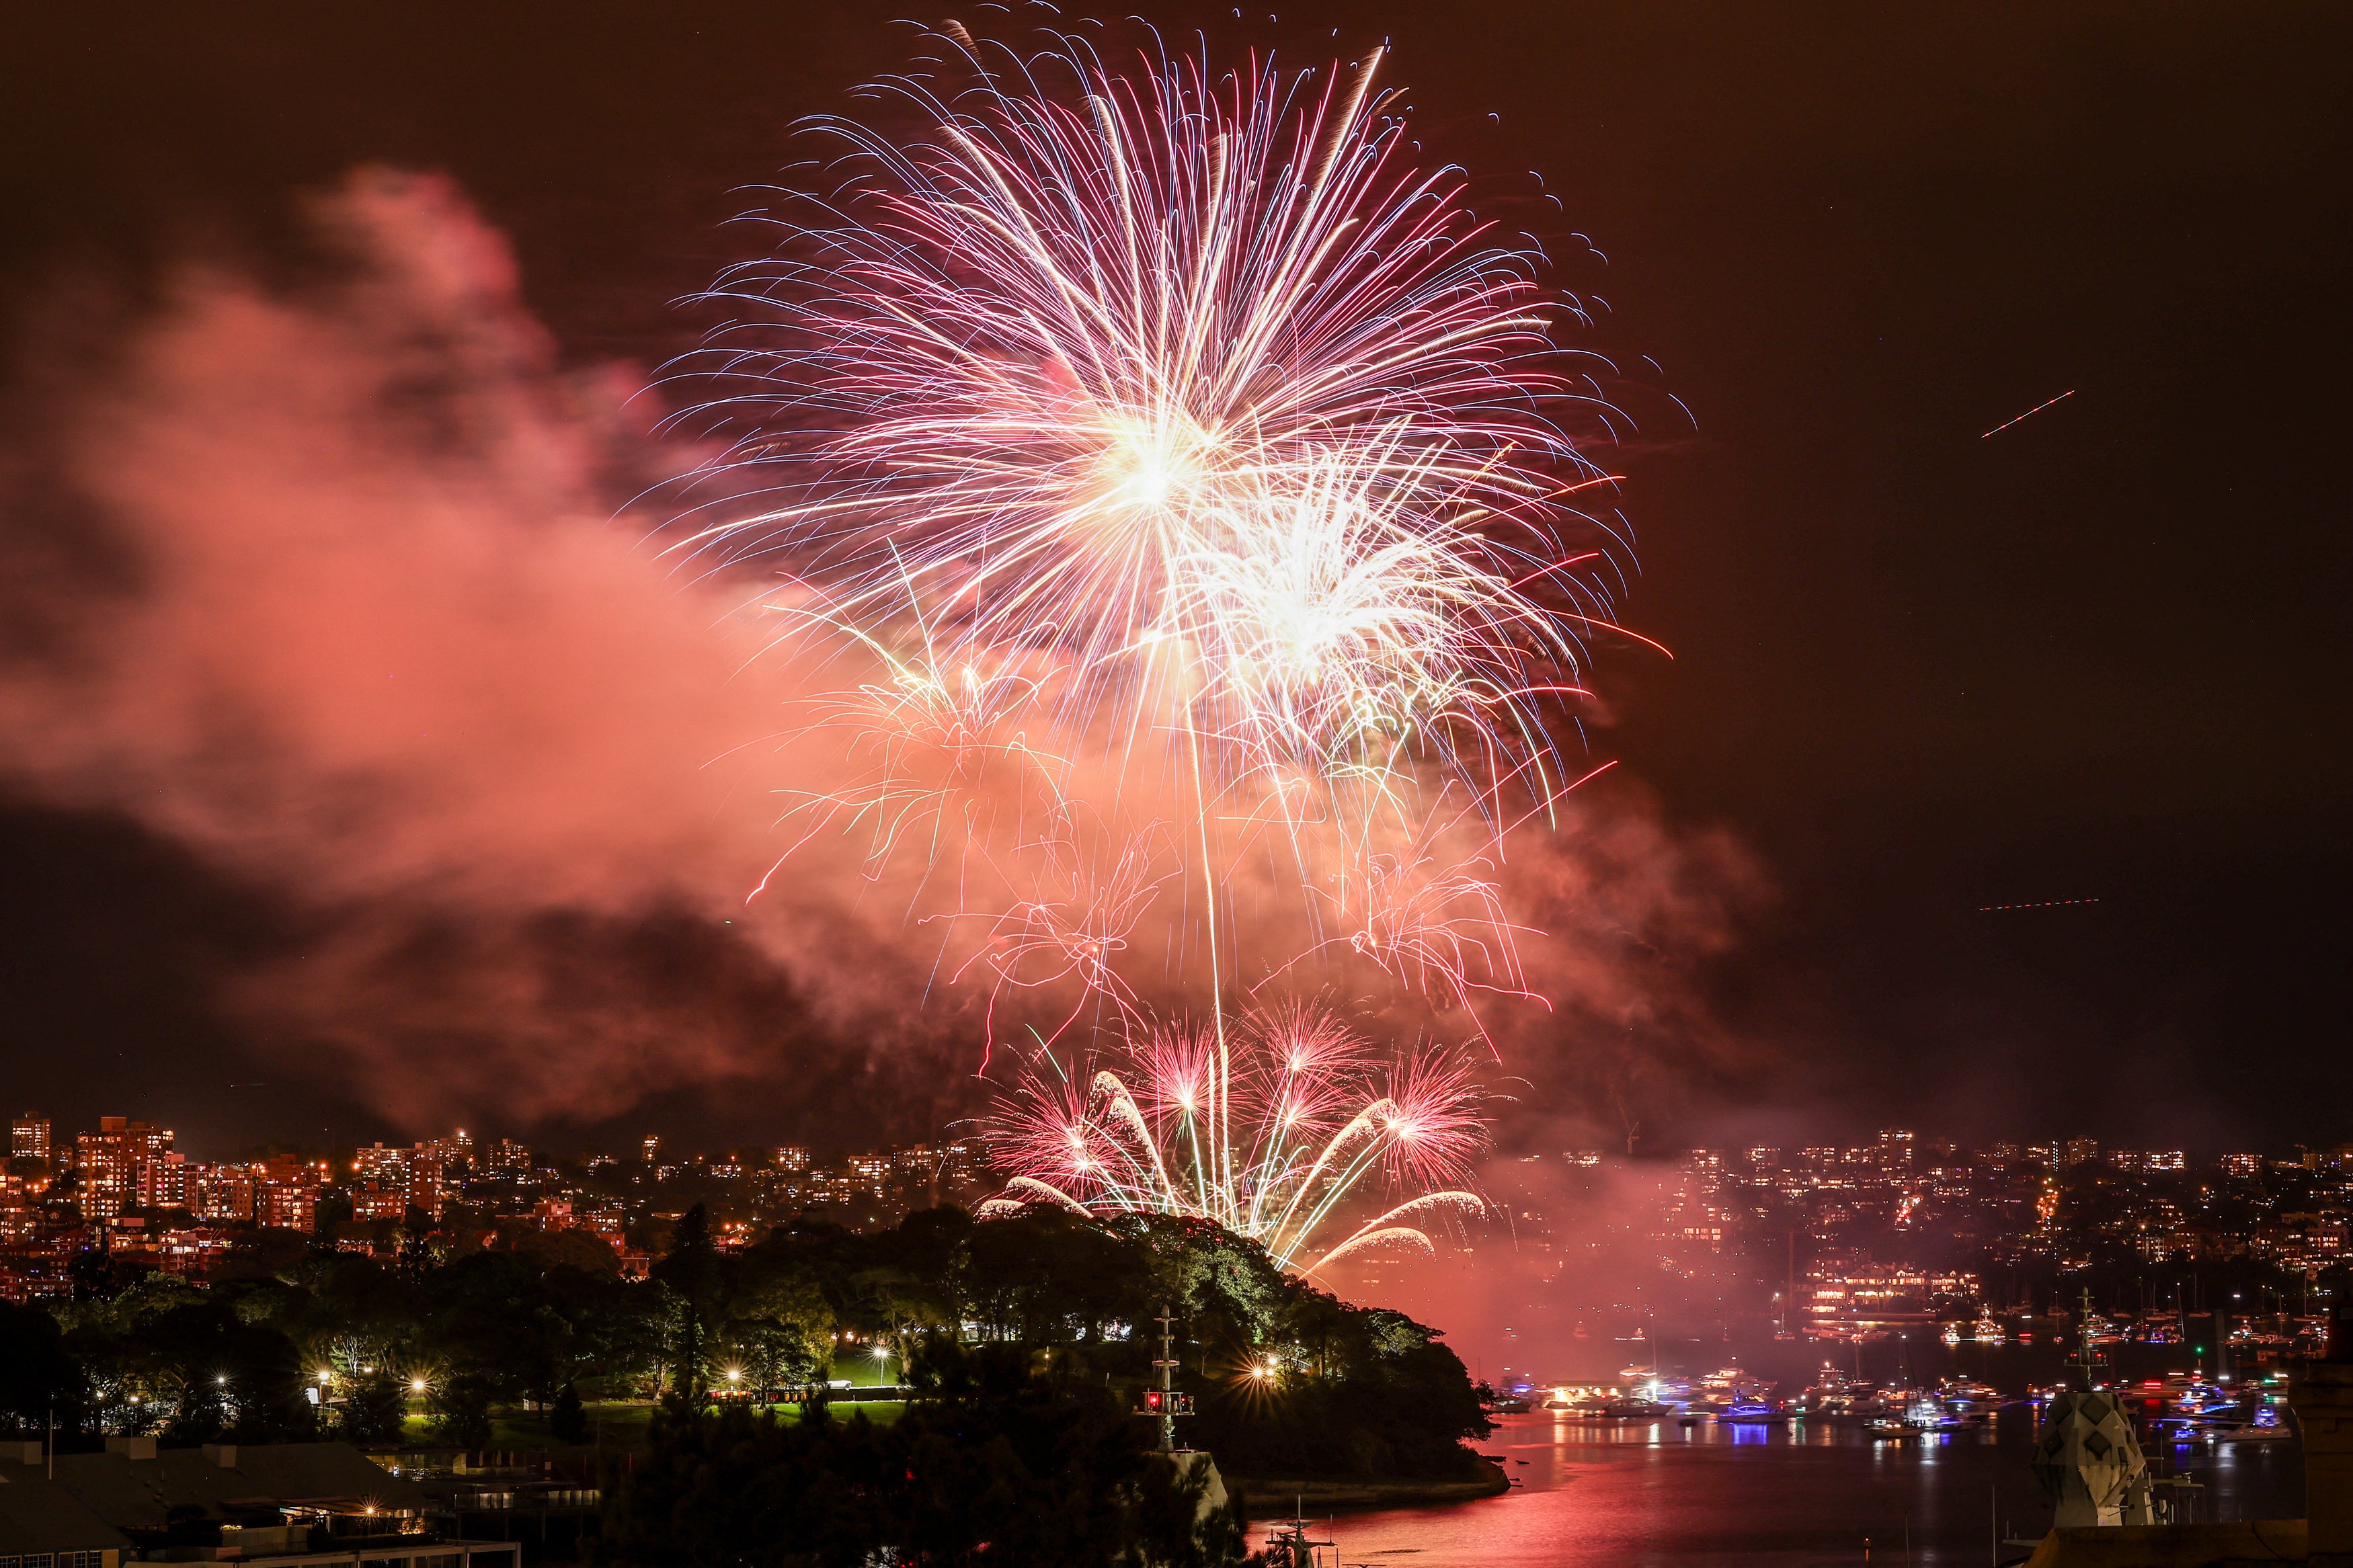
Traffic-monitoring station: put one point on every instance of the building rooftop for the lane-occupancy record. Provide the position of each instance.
(40, 1519)
(136, 1486)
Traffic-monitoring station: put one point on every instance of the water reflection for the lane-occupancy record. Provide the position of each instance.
(1793, 1494)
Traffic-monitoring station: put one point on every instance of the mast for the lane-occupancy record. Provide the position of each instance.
(1168, 1366)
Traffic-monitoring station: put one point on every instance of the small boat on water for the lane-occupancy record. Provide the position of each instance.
(2264, 1426)
(1749, 1412)
(1921, 1418)
(1288, 1545)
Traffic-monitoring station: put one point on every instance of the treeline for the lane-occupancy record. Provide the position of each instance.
(995, 1461)
(1287, 1379)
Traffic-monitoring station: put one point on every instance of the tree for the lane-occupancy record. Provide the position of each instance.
(993, 1463)
(37, 1377)
(568, 1420)
(459, 1408)
(581, 1249)
(375, 1410)
(691, 1269)
(777, 1326)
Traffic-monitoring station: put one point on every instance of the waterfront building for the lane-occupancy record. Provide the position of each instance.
(1863, 1301)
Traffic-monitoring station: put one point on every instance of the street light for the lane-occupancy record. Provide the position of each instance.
(415, 1386)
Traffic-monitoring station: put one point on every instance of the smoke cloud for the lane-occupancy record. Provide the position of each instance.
(329, 581)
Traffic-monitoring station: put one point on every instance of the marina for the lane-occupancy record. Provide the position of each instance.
(1795, 1494)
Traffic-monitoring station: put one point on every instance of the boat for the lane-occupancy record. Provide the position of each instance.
(1834, 1394)
(1749, 1411)
(1921, 1418)
(2202, 1400)
(1288, 1545)
(2264, 1426)
(1968, 1393)
(1575, 1401)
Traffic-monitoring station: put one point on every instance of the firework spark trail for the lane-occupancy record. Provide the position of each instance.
(1039, 942)
(1172, 452)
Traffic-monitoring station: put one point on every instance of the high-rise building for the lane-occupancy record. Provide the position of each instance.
(286, 1191)
(28, 1137)
(220, 1192)
(387, 1183)
(379, 1183)
(1898, 1146)
(163, 1181)
(110, 1160)
(427, 1173)
(963, 1162)
(650, 1150)
(2078, 1151)
(790, 1157)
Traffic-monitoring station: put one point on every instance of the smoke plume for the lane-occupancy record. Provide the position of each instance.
(335, 582)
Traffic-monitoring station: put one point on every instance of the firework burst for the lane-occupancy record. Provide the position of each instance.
(1311, 1122)
(1190, 471)
(1172, 382)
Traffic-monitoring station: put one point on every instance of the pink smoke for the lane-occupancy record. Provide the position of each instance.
(359, 623)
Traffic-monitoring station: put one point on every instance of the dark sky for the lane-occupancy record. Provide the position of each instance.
(2099, 655)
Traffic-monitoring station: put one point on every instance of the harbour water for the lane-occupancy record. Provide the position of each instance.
(1789, 1496)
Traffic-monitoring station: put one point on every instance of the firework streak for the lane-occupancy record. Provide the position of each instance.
(1180, 482)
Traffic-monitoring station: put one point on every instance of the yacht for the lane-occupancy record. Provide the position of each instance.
(2264, 1426)
(2202, 1401)
(1834, 1393)
(1921, 1418)
(1750, 1412)
(1966, 1394)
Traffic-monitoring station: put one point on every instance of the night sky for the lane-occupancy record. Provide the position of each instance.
(2098, 656)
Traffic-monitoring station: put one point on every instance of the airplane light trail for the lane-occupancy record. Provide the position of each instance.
(2029, 413)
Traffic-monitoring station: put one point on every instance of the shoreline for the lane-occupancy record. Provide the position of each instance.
(1275, 1496)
